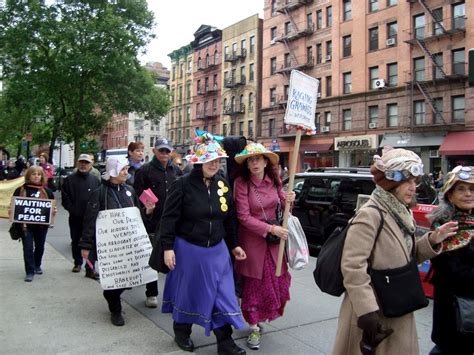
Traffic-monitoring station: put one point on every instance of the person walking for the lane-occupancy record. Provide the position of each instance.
(10, 171)
(453, 270)
(75, 192)
(157, 175)
(34, 237)
(135, 160)
(258, 192)
(48, 169)
(362, 327)
(196, 231)
(113, 193)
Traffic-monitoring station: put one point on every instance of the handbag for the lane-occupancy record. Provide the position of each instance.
(157, 256)
(297, 251)
(271, 238)
(16, 231)
(464, 308)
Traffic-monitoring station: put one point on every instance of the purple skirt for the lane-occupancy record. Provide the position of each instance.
(200, 290)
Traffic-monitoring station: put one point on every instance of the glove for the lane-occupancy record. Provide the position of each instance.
(373, 332)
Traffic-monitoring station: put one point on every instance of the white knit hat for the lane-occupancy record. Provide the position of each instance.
(113, 167)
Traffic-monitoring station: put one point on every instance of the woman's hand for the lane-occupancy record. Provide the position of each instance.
(170, 259)
(149, 208)
(239, 253)
(291, 196)
(279, 231)
(85, 253)
(442, 232)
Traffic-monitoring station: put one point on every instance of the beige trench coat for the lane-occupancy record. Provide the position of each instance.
(390, 251)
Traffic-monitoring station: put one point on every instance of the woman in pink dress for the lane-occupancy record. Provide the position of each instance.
(47, 168)
(257, 193)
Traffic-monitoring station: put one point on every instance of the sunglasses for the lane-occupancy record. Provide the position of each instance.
(463, 172)
(401, 175)
(164, 150)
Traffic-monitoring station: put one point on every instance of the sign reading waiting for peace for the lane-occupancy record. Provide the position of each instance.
(123, 249)
(302, 97)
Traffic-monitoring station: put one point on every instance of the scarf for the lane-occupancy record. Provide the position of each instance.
(465, 232)
(399, 211)
(136, 165)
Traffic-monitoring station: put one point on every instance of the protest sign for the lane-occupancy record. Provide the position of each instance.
(7, 188)
(32, 210)
(123, 249)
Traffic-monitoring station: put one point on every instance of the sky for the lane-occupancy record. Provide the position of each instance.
(177, 20)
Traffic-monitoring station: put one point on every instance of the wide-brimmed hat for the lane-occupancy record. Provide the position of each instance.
(459, 173)
(207, 149)
(114, 166)
(253, 149)
(395, 166)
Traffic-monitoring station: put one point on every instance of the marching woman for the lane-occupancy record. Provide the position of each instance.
(47, 168)
(454, 268)
(197, 231)
(34, 237)
(258, 192)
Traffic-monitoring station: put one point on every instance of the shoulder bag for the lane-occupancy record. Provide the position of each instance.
(270, 238)
(464, 307)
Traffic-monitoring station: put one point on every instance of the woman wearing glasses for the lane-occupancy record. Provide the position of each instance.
(454, 268)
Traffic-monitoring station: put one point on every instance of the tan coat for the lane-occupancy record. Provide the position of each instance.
(390, 251)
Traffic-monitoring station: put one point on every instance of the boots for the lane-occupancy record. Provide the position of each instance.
(182, 336)
(225, 343)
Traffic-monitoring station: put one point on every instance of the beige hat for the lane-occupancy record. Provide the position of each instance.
(253, 149)
(85, 157)
(459, 173)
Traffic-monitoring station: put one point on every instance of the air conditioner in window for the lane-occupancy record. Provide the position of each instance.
(372, 125)
(379, 83)
(318, 95)
(273, 41)
(434, 153)
(328, 58)
(391, 42)
(325, 129)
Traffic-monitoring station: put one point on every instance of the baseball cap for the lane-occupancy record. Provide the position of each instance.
(163, 143)
(85, 157)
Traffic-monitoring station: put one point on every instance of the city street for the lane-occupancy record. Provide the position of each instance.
(63, 312)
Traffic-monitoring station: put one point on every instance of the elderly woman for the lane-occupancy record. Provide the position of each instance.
(258, 193)
(197, 230)
(454, 268)
(363, 327)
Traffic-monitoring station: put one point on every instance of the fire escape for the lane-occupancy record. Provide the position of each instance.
(422, 40)
(235, 84)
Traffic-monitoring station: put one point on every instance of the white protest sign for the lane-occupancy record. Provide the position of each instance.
(123, 249)
(302, 97)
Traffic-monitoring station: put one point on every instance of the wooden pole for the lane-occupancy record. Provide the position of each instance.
(291, 183)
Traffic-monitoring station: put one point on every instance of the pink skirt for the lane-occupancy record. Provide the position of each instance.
(265, 299)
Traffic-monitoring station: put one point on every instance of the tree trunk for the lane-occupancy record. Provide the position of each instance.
(77, 148)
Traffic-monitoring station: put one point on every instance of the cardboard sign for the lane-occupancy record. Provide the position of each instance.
(32, 210)
(123, 249)
(7, 188)
(302, 97)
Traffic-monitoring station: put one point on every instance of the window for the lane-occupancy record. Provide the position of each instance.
(188, 89)
(437, 19)
(251, 103)
(373, 114)
(319, 86)
(328, 51)
(347, 10)
(250, 129)
(181, 70)
(287, 59)
(458, 108)
(346, 120)
(419, 112)
(419, 68)
(288, 28)
(309, 54)
(347, 83)
(251, 72)
(188, 113)
(198, 87)
(152, 142)
(392, 31)
(241, 103)
(214, 82)
(224, 129)
(328, 86)
(373, 5)
(319, 54)
(392, 74)
(373, 39)
(271, 127)
(346, 46)
(438, 66)
(286, 90)
(391, 3)
(309, 20)
(458, 56)
(273, 33)
(273, 65)
(252, 44)
(273, 97)
(392, 115)
(327, 118)
(214, 106)
(232, 128)
(419, 26)
(180, 115)
(241, 128)
(459, 13)
(373, 77)
(329, 16)
(274, 7)
(438, 105)
(242, 74)
(243, 44)
(319, 19)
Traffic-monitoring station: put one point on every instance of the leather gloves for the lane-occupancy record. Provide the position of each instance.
(373, 332)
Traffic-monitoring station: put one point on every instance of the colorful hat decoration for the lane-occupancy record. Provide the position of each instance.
(207, 150)
(253, 149)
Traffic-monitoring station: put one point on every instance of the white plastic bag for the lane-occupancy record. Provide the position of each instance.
(297, 250)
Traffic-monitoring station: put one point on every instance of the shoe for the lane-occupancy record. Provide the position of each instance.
(39, 270)
(185, 345)
(76, 268)
(254, 339)
(231, 350)
(29, 277)
(117, 319)
(151, 302)
(94, 275)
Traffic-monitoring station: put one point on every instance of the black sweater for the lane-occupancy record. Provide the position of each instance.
(76, 190)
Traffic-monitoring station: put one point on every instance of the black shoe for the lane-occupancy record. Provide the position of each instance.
(117, 319)
(186, 345)
(92, 275)
(29, 277)
(38, 270)
(233, 349)
(76, 268)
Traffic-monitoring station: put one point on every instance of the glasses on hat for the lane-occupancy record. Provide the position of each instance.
(463, 172)
(401, 175)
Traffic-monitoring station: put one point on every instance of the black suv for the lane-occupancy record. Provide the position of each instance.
(326, 198)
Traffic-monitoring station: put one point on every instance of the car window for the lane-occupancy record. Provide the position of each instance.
(318, 190)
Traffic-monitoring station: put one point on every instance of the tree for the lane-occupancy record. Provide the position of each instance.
(74, 63)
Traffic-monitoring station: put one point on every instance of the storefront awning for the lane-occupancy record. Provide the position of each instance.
(458, 143)
(403, 140)
(316, 148)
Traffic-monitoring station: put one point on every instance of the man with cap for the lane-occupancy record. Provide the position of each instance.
(157, 175)
(75, 193)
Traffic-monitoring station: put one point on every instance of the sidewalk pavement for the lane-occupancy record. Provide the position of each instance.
(65, 313)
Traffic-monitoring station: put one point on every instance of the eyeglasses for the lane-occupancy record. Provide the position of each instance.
(164, 150)
(463, 189)
(463, 172)
(400, 175)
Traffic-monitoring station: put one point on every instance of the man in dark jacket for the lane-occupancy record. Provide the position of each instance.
(75, 193)
(157, 175)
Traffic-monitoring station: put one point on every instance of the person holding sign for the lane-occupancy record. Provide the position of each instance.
(197, 230)
(258, 193)
(35, 234)
(114, 193)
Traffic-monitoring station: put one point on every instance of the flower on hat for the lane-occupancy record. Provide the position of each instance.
(207, 149)
(256, 149)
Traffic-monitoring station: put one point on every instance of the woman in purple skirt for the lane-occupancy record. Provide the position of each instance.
(197, 231)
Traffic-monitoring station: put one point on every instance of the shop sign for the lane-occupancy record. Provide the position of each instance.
(355, 142)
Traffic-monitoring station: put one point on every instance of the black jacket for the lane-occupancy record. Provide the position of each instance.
(198, 214)
(107, 196)
(76, 190)
(154, 176)
(9, 174)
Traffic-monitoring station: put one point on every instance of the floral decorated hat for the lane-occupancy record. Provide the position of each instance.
(253, 149)
(207, 150)
(459, 173)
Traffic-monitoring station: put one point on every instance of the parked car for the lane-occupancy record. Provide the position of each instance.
(326, 198)
(60, 175)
